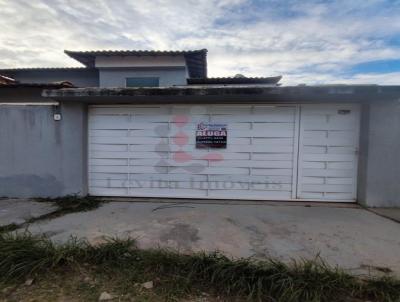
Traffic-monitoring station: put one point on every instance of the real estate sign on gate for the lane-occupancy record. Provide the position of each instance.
(211, 135)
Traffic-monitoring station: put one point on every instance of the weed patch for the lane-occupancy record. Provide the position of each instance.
(8, 228)
(65, 205)
(70, 204)
(121, 263)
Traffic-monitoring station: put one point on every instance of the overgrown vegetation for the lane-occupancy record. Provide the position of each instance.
(71, 203)
(8, 228)
(175, 275)
(64, 205)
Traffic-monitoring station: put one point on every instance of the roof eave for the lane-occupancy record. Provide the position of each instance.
(235, 81)
(196, 60)
(57, 85)
(242, 94)
(88, 62)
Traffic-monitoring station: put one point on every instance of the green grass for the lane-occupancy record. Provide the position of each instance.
(8, 228)
(177, 275)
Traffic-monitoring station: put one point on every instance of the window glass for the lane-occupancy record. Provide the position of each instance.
(142, 82)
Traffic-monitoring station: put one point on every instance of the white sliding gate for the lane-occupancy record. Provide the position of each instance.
(273, 152)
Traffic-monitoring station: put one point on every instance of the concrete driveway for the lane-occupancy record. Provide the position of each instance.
(350, 237)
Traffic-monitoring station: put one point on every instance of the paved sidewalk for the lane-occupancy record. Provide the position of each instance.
(391, 213)
(350, 237)
(18, 211)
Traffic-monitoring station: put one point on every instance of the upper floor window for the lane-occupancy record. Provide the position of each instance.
(143, 82)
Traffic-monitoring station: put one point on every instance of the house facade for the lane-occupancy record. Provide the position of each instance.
(152, 124)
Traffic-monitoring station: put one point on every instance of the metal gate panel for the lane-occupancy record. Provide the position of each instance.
(328, 152)
(150, 151)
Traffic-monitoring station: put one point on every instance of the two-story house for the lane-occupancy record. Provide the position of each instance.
(152, 124)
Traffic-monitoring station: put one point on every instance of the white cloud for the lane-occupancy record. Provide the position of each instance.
(305, 41)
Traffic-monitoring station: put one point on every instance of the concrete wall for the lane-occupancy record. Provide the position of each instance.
(379, 173)
(78, 77)
(168, 76)
(33, 94)
(40, 157)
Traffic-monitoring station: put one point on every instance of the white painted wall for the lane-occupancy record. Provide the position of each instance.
(109, 77)
(140, 61)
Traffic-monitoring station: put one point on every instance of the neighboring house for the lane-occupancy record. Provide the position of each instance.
(152, 124)
(6, 80)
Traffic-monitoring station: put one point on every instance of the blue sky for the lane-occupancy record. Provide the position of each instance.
(311, 42)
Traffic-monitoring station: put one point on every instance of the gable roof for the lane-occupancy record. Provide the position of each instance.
(6, 80)
(16, 69)
(51, 85)
(234, 80)
(196, 60)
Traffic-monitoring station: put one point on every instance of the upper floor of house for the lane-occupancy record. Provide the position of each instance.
(120, 69)
(129, 68)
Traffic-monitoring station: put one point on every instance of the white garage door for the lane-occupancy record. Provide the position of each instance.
(150, 151)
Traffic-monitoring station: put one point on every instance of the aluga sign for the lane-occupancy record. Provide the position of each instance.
(211, 135)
